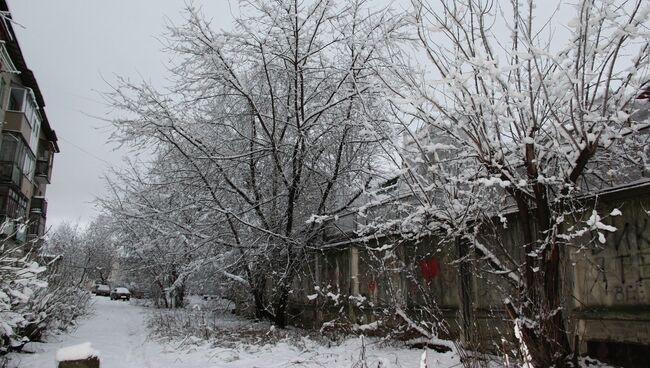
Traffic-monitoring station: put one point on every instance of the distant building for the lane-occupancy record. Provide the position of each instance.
(28, 142)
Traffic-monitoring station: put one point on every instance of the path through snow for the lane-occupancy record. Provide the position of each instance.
(117, 329)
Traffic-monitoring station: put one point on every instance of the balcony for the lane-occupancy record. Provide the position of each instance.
(17, 121)
(36, 226)
(13, 204)
(23, 116)
(10, 173)
(38, 206)
(43, 173)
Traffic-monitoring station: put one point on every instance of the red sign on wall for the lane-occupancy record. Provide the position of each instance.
(430, 269)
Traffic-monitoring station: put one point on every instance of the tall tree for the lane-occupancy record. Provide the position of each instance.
(506, 115)
(273, 118)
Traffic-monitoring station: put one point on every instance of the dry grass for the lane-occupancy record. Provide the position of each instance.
(220, 328)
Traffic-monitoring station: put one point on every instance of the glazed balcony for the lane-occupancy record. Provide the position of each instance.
(17, 121)
(10, 173)
(43, 174)
(36, 226)
(38, 206)
(13, 204)
(23, 116)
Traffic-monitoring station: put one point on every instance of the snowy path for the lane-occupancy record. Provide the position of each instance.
(118, 331)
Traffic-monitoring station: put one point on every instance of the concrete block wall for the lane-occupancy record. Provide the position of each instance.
(606, 287)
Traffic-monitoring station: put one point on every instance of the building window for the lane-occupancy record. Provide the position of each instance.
(23, 100)
(7, 65)
(2, 92)
(22, 207)
(16, 159)
(16, 99)
(10, 149)
(36, 131)
(3, 205)
(29, 167)
(14, 206)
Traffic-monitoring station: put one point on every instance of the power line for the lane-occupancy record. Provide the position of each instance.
(84, 150)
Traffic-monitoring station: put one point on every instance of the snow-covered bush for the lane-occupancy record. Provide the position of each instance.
(33, 297)
(20, 280)
(54, 308)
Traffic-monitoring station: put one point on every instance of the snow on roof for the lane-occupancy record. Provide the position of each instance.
(76, 352)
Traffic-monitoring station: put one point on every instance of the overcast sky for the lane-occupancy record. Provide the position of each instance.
(74, 47)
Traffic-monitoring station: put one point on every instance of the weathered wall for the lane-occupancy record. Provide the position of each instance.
(610, 283)
(606, 288)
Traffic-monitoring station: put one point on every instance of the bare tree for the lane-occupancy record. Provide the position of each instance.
(156, 219)
(272, 121)
(86, 254)
(507, 117)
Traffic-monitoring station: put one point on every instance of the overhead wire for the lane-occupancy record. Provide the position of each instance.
(83, 150)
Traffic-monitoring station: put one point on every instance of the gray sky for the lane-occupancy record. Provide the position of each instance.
(74, 47)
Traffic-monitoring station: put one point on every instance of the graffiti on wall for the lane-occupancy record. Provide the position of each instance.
(623, 265)
(430, 269)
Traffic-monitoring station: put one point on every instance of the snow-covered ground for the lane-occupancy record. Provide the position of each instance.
(118, 330)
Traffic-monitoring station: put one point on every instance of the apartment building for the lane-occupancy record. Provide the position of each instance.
(28, 142)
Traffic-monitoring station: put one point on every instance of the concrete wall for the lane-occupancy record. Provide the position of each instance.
(606, 287)
(610, 283)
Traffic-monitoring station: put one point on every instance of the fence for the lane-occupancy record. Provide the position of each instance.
(606, 288)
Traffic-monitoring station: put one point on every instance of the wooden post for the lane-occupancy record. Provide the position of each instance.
(354, 270)
(354, 280)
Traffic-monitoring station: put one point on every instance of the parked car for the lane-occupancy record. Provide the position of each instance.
(103, 290)
(120, 293)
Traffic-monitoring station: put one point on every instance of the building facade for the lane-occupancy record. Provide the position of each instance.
(28, 142)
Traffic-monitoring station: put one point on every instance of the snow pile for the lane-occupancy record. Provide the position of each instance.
(367, 327)
(76, 352)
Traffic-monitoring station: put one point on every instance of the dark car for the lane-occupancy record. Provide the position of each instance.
(120, 293)
(103, 290)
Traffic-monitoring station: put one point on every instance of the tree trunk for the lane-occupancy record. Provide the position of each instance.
(555, 329)
(547, 342)
(259, 300)
(281, 296)
(178, 295)
(163, 293)
(280, 306)
(468, 332)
